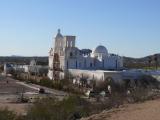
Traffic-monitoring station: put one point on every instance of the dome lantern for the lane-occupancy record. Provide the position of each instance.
(59, 35)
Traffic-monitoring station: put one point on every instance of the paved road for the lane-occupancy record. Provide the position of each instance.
(14, 86)
(47, 90)
(11, 89)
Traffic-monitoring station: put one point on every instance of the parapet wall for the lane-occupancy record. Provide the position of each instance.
(98, 75)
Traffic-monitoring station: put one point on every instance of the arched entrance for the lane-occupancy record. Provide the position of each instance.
(56, 66)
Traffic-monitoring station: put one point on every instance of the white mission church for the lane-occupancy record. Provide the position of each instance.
(66, 56)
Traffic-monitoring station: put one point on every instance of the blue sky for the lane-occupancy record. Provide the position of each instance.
(127, 27)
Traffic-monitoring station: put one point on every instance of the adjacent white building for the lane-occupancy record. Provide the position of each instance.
(65, 55)
(33, 68)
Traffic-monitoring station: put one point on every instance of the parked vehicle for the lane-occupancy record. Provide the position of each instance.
(93, 94)
(41, 90)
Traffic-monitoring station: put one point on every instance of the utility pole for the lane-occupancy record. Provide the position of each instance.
(156, 61)
(149, 61)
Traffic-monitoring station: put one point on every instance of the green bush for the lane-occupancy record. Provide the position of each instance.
(51, 109)
(46, 82)
(5, 114)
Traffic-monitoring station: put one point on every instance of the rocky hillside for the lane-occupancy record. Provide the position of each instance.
(142, 62)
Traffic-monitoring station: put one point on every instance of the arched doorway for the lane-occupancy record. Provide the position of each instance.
(56, 66)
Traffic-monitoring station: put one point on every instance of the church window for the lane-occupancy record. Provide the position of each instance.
(94, 62)
(60, 44)
(76, 64)
(67, 64)
(76, 52)
(91, 64)
(67, 44)
(103, 63)
(116, 64)
(85, 63)
(71, 54)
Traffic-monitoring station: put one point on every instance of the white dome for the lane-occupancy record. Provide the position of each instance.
(101, 49)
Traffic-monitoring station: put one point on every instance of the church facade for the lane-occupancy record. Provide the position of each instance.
(65, 56)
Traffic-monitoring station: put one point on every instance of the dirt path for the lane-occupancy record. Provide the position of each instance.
(149, 110)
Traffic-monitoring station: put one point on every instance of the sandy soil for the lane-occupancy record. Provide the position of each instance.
(9, 92)
(17, 108)
(149, 110)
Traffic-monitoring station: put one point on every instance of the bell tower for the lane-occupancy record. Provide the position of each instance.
(58, 42)
(58, 55)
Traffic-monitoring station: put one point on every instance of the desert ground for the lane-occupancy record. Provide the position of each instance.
(11, 90)
(149, 110)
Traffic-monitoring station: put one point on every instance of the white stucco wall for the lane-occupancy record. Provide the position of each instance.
(98, 75)
(71, 57)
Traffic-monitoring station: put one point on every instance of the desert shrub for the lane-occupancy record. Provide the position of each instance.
(1, 68)
(33, 81)
(148, 81)
(46, 82)
(57, 85)
(51, 109)
(100, 86)
(140, 95)
(143, 89)
(5, 114)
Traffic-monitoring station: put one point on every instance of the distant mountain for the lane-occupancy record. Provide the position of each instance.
(128, 61)
(24, 60)
(16, 56)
